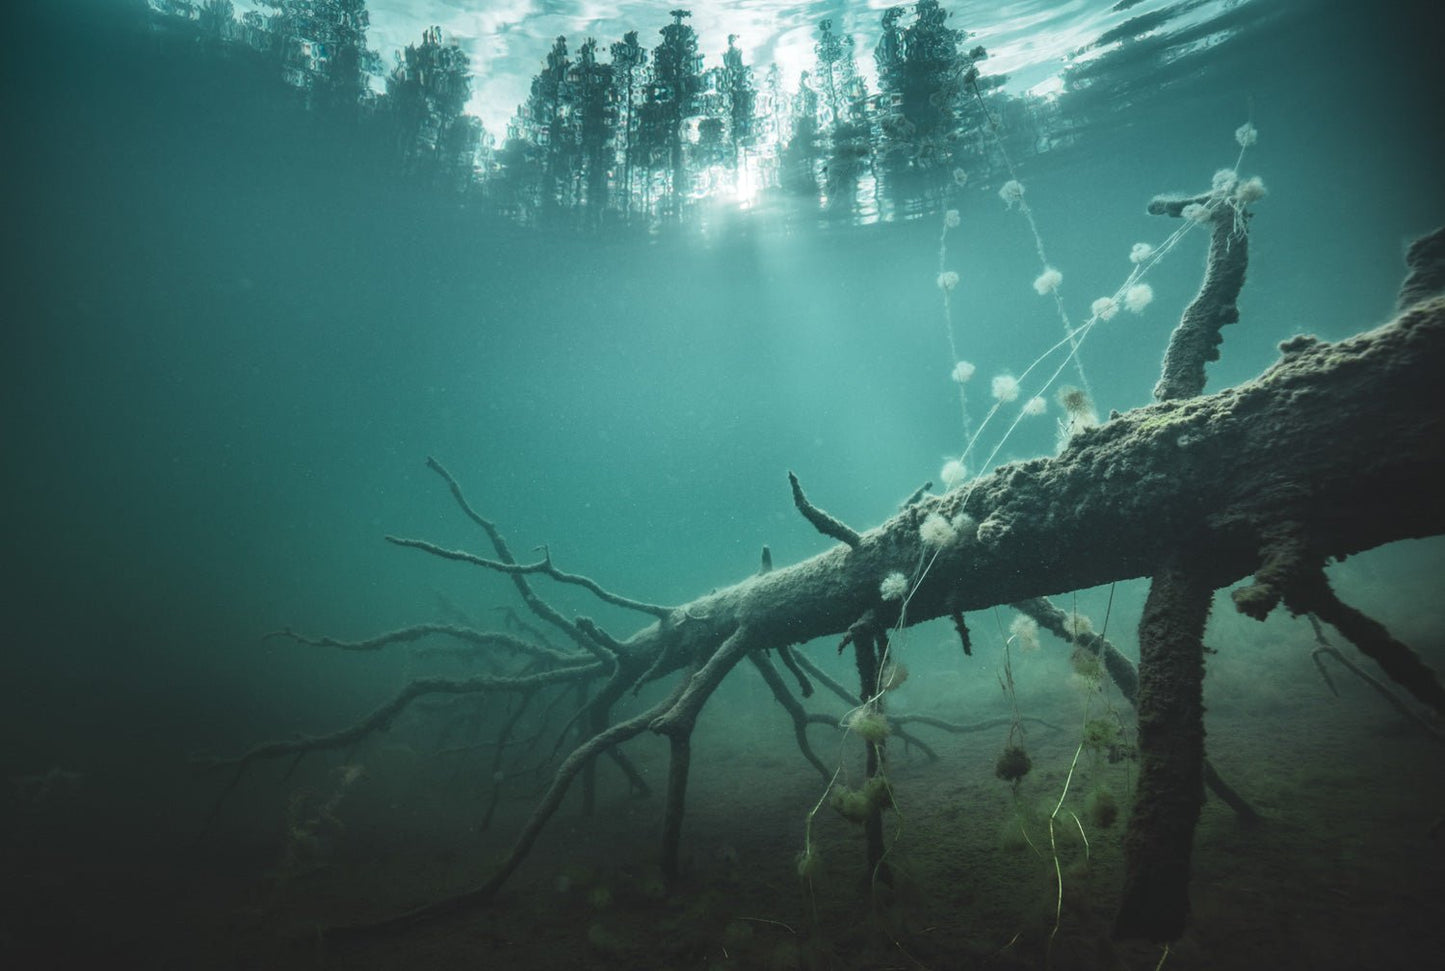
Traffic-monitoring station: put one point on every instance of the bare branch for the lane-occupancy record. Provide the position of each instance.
(416, 632)
(805, 687)
(561, 781)
(534, 602)
(795, 711)
(543, 566)
(822, 522)
(680, 717)
(381, 718)
(1196, 340)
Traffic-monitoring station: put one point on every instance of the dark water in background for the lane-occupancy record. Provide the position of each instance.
(228, 351)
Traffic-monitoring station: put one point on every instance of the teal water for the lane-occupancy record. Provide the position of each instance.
(231, 340)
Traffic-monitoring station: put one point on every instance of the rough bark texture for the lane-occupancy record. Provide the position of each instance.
(1426, 259)
(1346, 439)
(1196, 339)
(1160, 838)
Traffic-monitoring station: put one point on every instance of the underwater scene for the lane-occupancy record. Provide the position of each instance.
(521, 484)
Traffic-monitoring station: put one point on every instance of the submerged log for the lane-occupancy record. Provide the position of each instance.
(1345, 440)
(1335, 449)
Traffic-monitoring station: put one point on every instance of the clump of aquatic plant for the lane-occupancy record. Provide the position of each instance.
(1012, 764)
(856, 805)
(868, 723)
(1101, 734)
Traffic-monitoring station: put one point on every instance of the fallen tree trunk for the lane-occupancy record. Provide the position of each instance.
(1336, 449)
(1345, 441)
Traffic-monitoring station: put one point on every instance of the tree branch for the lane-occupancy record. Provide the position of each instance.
(822, 522)
(543, 566)
(405, 635)
(1196, 339)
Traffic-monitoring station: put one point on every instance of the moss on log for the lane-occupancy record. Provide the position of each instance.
(1346, 440)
